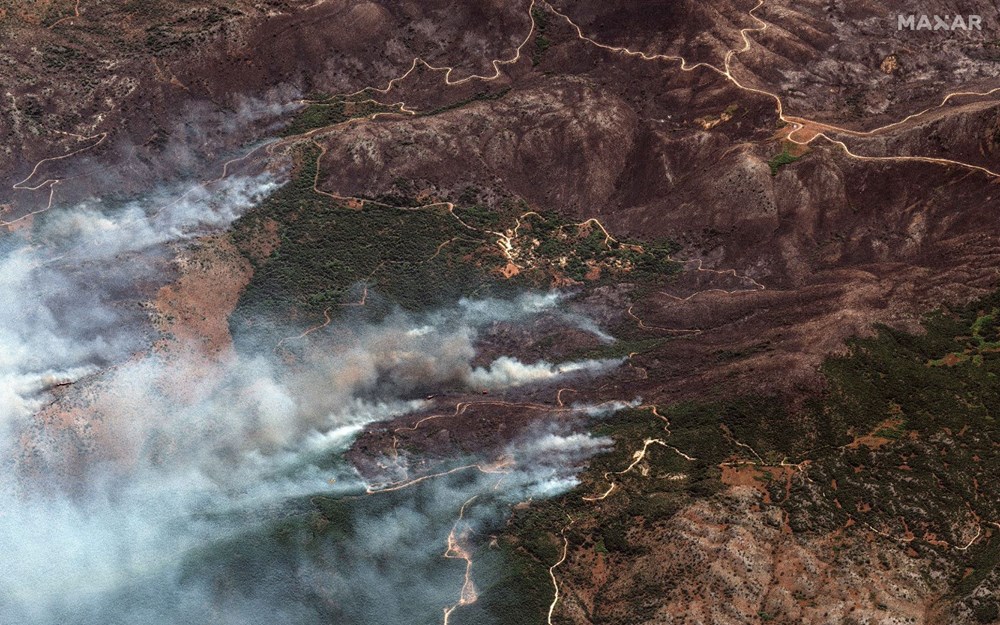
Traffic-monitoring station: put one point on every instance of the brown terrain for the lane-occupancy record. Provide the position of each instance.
(657, 119)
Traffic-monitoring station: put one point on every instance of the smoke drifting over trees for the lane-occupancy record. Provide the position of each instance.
(167, 488)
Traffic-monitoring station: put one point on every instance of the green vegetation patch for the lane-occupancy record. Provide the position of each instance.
(780, 160)
(331, 111)
(983, 339)
(651, 494)
(894, 442)
(911, 445)
(328, 254)
(482, 96)
(394, 251)
(587, 252)
(542, 43)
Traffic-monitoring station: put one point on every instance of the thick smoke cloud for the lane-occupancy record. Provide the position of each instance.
(64, 295)
(161, 506)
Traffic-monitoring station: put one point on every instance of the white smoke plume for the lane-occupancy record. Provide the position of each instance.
(62, 311)
(142, 499)
(507, 372)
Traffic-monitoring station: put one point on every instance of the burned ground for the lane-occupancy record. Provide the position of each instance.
(638, 160)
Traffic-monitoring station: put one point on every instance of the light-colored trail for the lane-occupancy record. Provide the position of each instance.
(326, 321)
(495, 63)
(796, 124)
(552, 572)
(907, 159)
(51, 183)
(500, 466)
(881, 129)
(455, 551)
(463, 406)
(23, 185)
(637, 457)
(640, 454)
(76, 14)
(675, 331)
